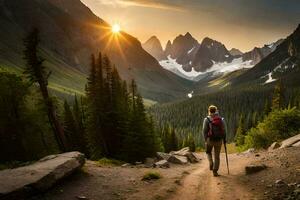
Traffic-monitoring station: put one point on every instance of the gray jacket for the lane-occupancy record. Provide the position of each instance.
(205, 129)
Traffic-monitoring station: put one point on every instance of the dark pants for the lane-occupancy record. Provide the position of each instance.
(216, 145)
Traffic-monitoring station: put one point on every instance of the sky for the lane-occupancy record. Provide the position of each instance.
(241, 24)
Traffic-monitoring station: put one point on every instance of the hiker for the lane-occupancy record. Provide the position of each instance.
(214, 132)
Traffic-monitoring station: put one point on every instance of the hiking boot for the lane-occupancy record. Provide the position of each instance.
(215, 173)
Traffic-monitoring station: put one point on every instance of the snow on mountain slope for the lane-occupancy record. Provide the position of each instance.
(224, 67)
(236, 64)
(176, 68)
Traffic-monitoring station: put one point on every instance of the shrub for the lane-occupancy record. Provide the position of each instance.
(278, 125)
(151, 176)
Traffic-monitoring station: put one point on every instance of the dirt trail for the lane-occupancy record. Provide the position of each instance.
(200, 184)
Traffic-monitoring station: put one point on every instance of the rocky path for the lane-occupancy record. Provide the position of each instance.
(200, 184)
(188, 182)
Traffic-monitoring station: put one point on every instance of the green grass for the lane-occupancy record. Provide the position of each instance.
(105, 162)
(151, 176)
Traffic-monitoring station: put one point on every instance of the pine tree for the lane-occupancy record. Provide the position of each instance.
(278, 96)
(71, 129)
(191, 143)
(78, 113)
(36, 73)
(241, 132)
(95, 137)
(173, 144)
(267, 108)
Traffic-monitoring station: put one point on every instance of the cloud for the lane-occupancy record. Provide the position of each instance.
(157, 4)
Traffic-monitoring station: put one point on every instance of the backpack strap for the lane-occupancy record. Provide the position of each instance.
(208, 120)
(210, 127)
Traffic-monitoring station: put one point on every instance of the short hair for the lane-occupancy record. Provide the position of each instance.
(212, 109)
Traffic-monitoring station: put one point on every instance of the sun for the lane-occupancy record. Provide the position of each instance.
(116, 28)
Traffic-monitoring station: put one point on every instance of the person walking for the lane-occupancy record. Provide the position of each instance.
(214, 132)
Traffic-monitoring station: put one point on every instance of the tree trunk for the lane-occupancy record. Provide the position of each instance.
(55, 124)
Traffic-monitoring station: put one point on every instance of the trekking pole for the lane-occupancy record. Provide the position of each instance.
(226, 156)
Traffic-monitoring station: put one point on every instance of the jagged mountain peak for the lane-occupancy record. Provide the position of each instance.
(236, 52)
(153, 46)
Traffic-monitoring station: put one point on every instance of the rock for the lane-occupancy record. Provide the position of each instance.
(149, 162)
(178, 159)
(182, 151)
(279, 182)
(162, 156)
(297, 144)
(23, 181)
(162, 164)
(187, 153)
(138, 163)
(249, 151)
(274, 146)
(292, 184)
(126, 165)
(81, 197)
(250, 169)
(290, 141)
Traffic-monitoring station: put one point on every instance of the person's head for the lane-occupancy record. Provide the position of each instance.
(212, 110)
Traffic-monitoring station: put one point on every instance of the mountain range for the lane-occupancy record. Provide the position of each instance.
(70, 33)
(190, 59)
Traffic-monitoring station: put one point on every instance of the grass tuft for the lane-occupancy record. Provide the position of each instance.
(151, 176)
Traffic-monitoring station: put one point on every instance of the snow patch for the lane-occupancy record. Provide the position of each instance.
(190, 95)
(270, 78)
(190, 51)
(176, 68)
(236, 64)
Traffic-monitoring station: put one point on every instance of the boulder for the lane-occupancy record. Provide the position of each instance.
(162, 156)
(21, 182)
(290, 141)
(274, 146)
(297, 144)
(178, 159)
(162, 164)
(250, 169)
(187, 153)
(182, 151)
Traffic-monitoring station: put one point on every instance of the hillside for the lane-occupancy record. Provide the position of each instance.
(283, 63)
(70, 33)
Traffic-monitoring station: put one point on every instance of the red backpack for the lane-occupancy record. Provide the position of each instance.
(216, 128)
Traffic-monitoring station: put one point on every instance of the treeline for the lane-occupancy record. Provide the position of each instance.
(109, 121)
(117, 125)
(247, 105)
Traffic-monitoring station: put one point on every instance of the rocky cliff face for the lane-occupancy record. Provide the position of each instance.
(181, 46)
(257, 54)
(210, 52)
(235, 52)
